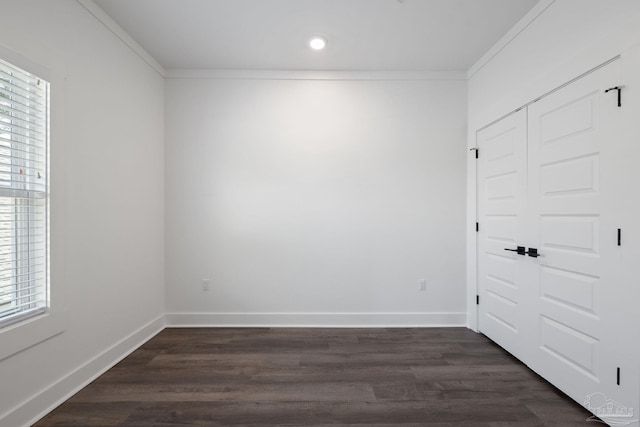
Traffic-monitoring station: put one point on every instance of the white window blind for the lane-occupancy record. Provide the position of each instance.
(24, 237)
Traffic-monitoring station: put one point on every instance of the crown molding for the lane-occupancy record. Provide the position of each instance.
(102, 16)
(221, 74)
(511, 35)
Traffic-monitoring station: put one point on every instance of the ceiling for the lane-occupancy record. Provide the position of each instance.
(364, 35)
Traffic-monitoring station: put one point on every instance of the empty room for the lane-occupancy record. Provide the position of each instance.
(319, 212)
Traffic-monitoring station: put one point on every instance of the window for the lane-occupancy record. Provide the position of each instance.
(24, 201)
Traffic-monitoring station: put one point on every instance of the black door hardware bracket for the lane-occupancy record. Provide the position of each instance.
(619, 89)
(533, 252)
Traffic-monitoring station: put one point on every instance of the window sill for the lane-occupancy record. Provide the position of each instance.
(23, 335)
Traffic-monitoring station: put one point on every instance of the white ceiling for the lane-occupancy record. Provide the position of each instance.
(372, 35)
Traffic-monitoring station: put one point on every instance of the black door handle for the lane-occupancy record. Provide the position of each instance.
(520, 250)
(533, 252)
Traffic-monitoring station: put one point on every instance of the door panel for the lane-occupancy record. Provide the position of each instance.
(575, 290)
(502, 182)
(573, 177)
(570, 345)
(565, 133)
(571, 173)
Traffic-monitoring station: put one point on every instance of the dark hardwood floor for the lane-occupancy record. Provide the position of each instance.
(315, 377)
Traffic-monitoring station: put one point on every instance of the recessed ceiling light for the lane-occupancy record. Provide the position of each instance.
(318, 43)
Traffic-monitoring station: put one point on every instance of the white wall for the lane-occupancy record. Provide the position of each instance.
(107, 203)
(315, 202)
(568, 38)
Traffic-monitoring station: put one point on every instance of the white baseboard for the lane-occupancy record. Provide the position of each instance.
(48, 399)
(333, 320)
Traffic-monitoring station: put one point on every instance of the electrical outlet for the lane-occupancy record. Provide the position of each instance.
(423, 284)
(205, 284)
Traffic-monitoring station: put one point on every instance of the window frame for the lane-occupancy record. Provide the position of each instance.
(25, 333)
(24, 211)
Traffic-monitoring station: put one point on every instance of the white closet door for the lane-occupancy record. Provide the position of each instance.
(502, 204)
(554, 177)
(573, 140)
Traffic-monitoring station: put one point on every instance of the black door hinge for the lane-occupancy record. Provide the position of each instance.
(618, 376)
(477, 299)
(619, 237)
(477, 227)
(476, 150)
(619, 89)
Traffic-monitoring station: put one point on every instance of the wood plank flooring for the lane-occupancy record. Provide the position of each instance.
(318, 377)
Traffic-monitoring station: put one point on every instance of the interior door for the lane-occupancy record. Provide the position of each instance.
(502, 205)
(574, 139)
